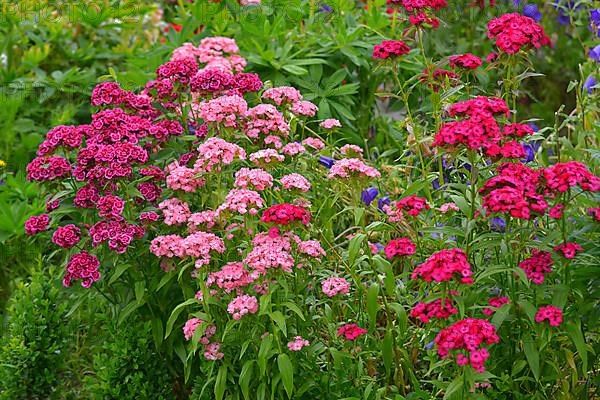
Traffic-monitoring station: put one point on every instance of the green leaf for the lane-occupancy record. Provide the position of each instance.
(455, 391)
(263, 353)
(221, 382)
(175, 313)
(372, 304)
(157, 332)
(286, 369)
(532, 355)
(279, 319)
(127, 310)
(387, 351)
(574, 330)
(354, 247)
(118, 272)
(294, 308)
(246, 377)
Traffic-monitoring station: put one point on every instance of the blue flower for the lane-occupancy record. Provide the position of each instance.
(385, 200)
(589, 84)
(367, 196)
(531, 11)
(429, 345)
(595, 53)
(436, 183)
(595, 21)
(498, 224)
(530, 149)
(325, 8)
(326, 161)
(533, 126)
(379, 246)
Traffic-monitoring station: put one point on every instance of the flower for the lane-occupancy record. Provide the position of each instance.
(550, 313)
(495, 303)
(350, 167)
(298, 343)
(531, 11)
(569, 249)
(190, 327)
(67, 236)
(295, 181)
(351, 331)
(400, 247)
(390, 49)
(595, 53)
(442, 266)
(468, 335)
(466, 61)
(440, 309)
(589, 84)
(368, 195)
(36, 224)
(327, 162)
(330, 123)
(412, 205)
(242, 305)
(284, 214)
(333, 286)
(536, 266)
(513, 32)
(82, 266)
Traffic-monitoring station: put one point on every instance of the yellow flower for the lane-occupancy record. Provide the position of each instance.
(2, 163)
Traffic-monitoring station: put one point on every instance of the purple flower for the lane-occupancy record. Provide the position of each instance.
(534, 126)
(326, 8)
(530, 149)
(383, 201)
(595, 21)
(531, 11)
(595, 53)
(367, 196)
(326, 161)
(429, 345)
(498, 224)
(589, 84)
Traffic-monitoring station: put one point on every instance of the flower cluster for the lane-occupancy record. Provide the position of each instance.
(390, 49)
(536, 266)
(399, 247)
(443, 265)
(284, 214)
(351, 331)
(333, 286)
(513, 32)
(495, 303)
(468, 335)
(550, 313)
(440, 309)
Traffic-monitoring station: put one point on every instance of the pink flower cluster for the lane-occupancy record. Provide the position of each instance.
(352, 167)
(284, 214)
(468, 335)
(330, 123)
(466, 61)
(36, 224)
(442, 266)
(295, 182)
(569, 250)
(298, 343)
(351, 331)
(334, 285)
(390, 49)
(258, 179)
(82, 266)
(495, 303)
(242, 305)
(513, 32)
(440, 309)
(400, 247)
(536, 266)
(550, 313)
(412, 205)
(198, 245)
(562, 176)
(232, 276)
(66, 236)
(217, 152)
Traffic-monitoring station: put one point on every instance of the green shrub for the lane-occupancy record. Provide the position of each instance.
(36, 343)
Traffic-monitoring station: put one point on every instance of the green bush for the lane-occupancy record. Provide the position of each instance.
(37, 342)
(127, 366)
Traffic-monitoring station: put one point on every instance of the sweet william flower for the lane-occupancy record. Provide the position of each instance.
(400, 247)
(550, 313)
(351, 331)
(37, 224)
(569, 250)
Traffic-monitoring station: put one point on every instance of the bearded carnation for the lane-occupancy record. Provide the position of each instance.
(443, 265)
(400, 247)
(284, 214)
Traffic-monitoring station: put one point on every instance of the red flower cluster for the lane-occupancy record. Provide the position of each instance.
(67, 137)
(560, 177)
(351, 331)
(550, 313)
(569, 250)
(435, 309)
(400, 247)
(82, 266)
(67, 236)
(465, 61)
(469, 335)
(442, 266)
(284, 214)
(514, 190)
(536, 266)
(48, 168)
(513, 32)
(212, 82)
(495, 302)
(480, 130)
(412, 205)
(118, 233)
(390, 49)
(419, 9)
(37, 224)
